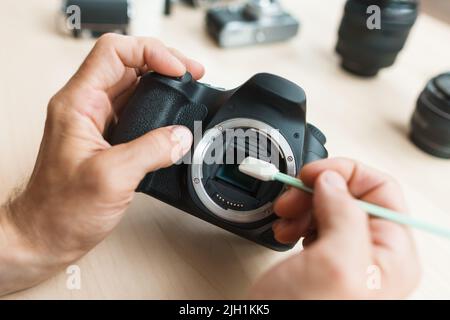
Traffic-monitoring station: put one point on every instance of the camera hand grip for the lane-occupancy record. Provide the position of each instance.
(154, 105)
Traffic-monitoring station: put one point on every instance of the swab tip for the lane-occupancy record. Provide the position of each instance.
(258, 169)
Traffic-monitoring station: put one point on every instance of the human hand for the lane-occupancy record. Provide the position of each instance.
(81, 185)
(345, 249)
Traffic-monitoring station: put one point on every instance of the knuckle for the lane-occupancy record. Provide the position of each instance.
(108, 39)
(55, 109)
(161, 139)
(164, 146)
(155, 42)
(153, 47)
(52, 106)
(348, 162)
(392, 183)
(149, 42)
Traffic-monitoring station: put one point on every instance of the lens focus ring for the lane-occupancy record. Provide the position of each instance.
(430, 124)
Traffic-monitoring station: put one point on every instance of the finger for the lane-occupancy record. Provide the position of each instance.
(195, 68)
(370, 185)
(128, 80)
(141, 71)
(121, 101)
(340, 222)
(363, 182)
(290, 231)
(389, 235)
(392, 250)
(309, 239)
(293, 204)
(128, 84)
(108, 61)
(157, 149)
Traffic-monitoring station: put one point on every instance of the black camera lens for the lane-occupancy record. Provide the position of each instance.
(430, 123)
(366, 47)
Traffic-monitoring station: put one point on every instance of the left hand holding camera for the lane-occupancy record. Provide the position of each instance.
(81, 185)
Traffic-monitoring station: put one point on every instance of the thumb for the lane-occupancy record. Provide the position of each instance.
(157, 149)
(338, 217)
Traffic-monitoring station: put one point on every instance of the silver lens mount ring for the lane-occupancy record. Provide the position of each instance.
(201, 150)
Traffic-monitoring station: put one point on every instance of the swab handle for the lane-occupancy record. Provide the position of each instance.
(373, 209)
(294, 182)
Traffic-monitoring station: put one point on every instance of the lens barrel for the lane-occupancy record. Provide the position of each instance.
(365, 51)
(430, 123)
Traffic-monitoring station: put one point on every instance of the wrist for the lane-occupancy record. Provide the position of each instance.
(24, 259)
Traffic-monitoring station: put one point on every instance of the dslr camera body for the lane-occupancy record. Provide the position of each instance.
(257, 21)
(264, 118)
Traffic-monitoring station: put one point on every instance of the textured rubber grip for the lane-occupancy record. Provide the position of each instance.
(152, 106)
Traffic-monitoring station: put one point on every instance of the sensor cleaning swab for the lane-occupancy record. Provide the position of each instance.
(266, 171)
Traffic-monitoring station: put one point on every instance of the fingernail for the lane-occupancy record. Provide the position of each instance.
(285, 195)
(182, 136)
(334, 180)
(179, 64)
(275, 225)
(278, 225)
(197, 64)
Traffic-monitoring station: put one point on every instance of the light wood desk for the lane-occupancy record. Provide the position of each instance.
(160, 252)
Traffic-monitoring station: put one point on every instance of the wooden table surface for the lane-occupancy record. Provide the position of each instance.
(160, 252)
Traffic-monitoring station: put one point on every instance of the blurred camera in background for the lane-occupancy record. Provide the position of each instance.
(204, 3)
(255, 21)
(92, 18)
(194, 3)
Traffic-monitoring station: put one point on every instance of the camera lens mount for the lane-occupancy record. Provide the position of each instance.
(234, 196)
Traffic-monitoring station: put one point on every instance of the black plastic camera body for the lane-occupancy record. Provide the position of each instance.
(269, 110)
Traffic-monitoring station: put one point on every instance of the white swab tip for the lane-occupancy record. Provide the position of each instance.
(258, 169)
